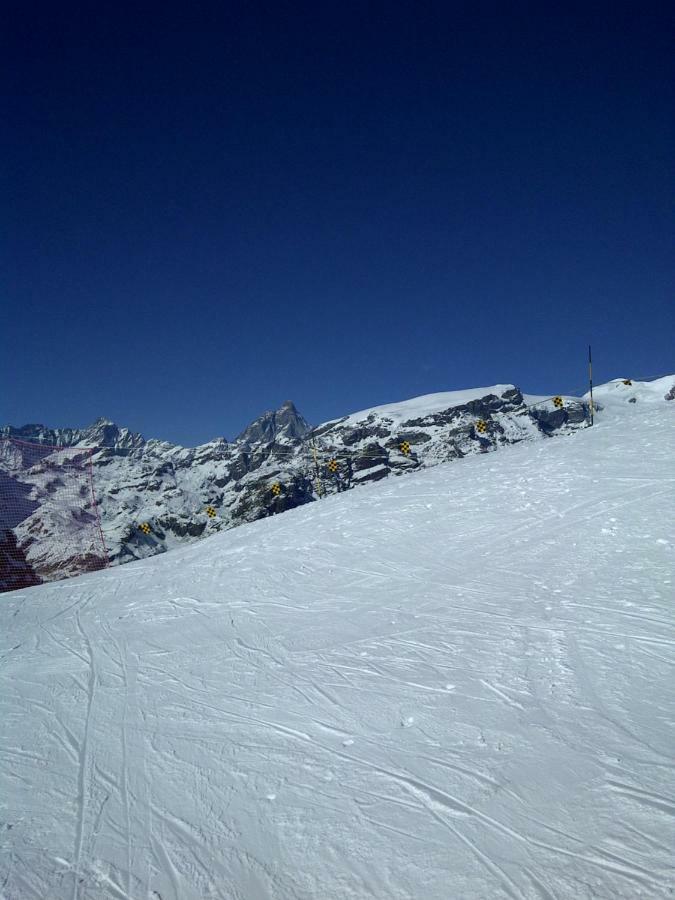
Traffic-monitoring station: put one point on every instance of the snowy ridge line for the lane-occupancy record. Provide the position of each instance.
(307, 466)
(576, 393)
(600, 391)
(307, 448)
(644, 378)
(280, 462)
(580, 391)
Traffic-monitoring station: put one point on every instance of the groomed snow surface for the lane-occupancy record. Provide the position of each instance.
(456, 684)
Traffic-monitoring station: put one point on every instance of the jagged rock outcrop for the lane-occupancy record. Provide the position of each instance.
(15, 570)
(279, 426)
(103, 433)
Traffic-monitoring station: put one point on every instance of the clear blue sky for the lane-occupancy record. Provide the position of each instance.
(211, 208)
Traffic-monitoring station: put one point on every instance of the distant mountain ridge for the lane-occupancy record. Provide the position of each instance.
(282, 424)
(102, 433)
(280, 461)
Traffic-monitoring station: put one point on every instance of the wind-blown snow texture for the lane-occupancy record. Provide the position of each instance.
(453, 685)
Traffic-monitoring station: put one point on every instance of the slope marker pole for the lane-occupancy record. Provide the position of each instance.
(590, 378)
(319, 486)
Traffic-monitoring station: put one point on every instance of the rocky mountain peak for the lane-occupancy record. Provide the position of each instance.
(283, 424)
(105, 433)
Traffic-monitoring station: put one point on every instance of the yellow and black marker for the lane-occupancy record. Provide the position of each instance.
(481, 426)
(145, 528)
(276, 489)
(627, 382)
(405, 448)
(558, 402)
(210, 512)
(333, 465)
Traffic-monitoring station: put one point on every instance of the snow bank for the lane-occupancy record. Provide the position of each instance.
(624, 390)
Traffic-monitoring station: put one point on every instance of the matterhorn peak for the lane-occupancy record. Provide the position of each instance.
(281, 424)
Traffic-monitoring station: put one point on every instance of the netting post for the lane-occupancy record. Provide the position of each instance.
(95, 508)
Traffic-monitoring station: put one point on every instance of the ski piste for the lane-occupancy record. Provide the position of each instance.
(453, 684)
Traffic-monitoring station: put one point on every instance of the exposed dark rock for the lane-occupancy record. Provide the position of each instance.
(15, 570)
(351, 436)
(370, 456)
(412, 437)
(551, 420)
(285, 423)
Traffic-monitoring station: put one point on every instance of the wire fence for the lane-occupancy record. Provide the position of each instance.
(47, 490)
(332, 468)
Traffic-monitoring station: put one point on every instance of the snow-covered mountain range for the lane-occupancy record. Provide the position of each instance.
(277, 463)
(455, 685)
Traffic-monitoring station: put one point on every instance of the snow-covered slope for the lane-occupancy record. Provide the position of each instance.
(170, 487)
(453, 685)
(426, 405)
(620, 391)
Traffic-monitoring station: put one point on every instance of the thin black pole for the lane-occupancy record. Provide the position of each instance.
(319, 486)
(590, 378)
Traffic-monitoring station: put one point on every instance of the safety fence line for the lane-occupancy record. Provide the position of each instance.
(311, 447)
(33, 473)
(332, 457)
(325, 460)
(559, 401)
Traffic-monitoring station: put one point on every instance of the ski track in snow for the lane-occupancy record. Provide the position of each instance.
(457, 684)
